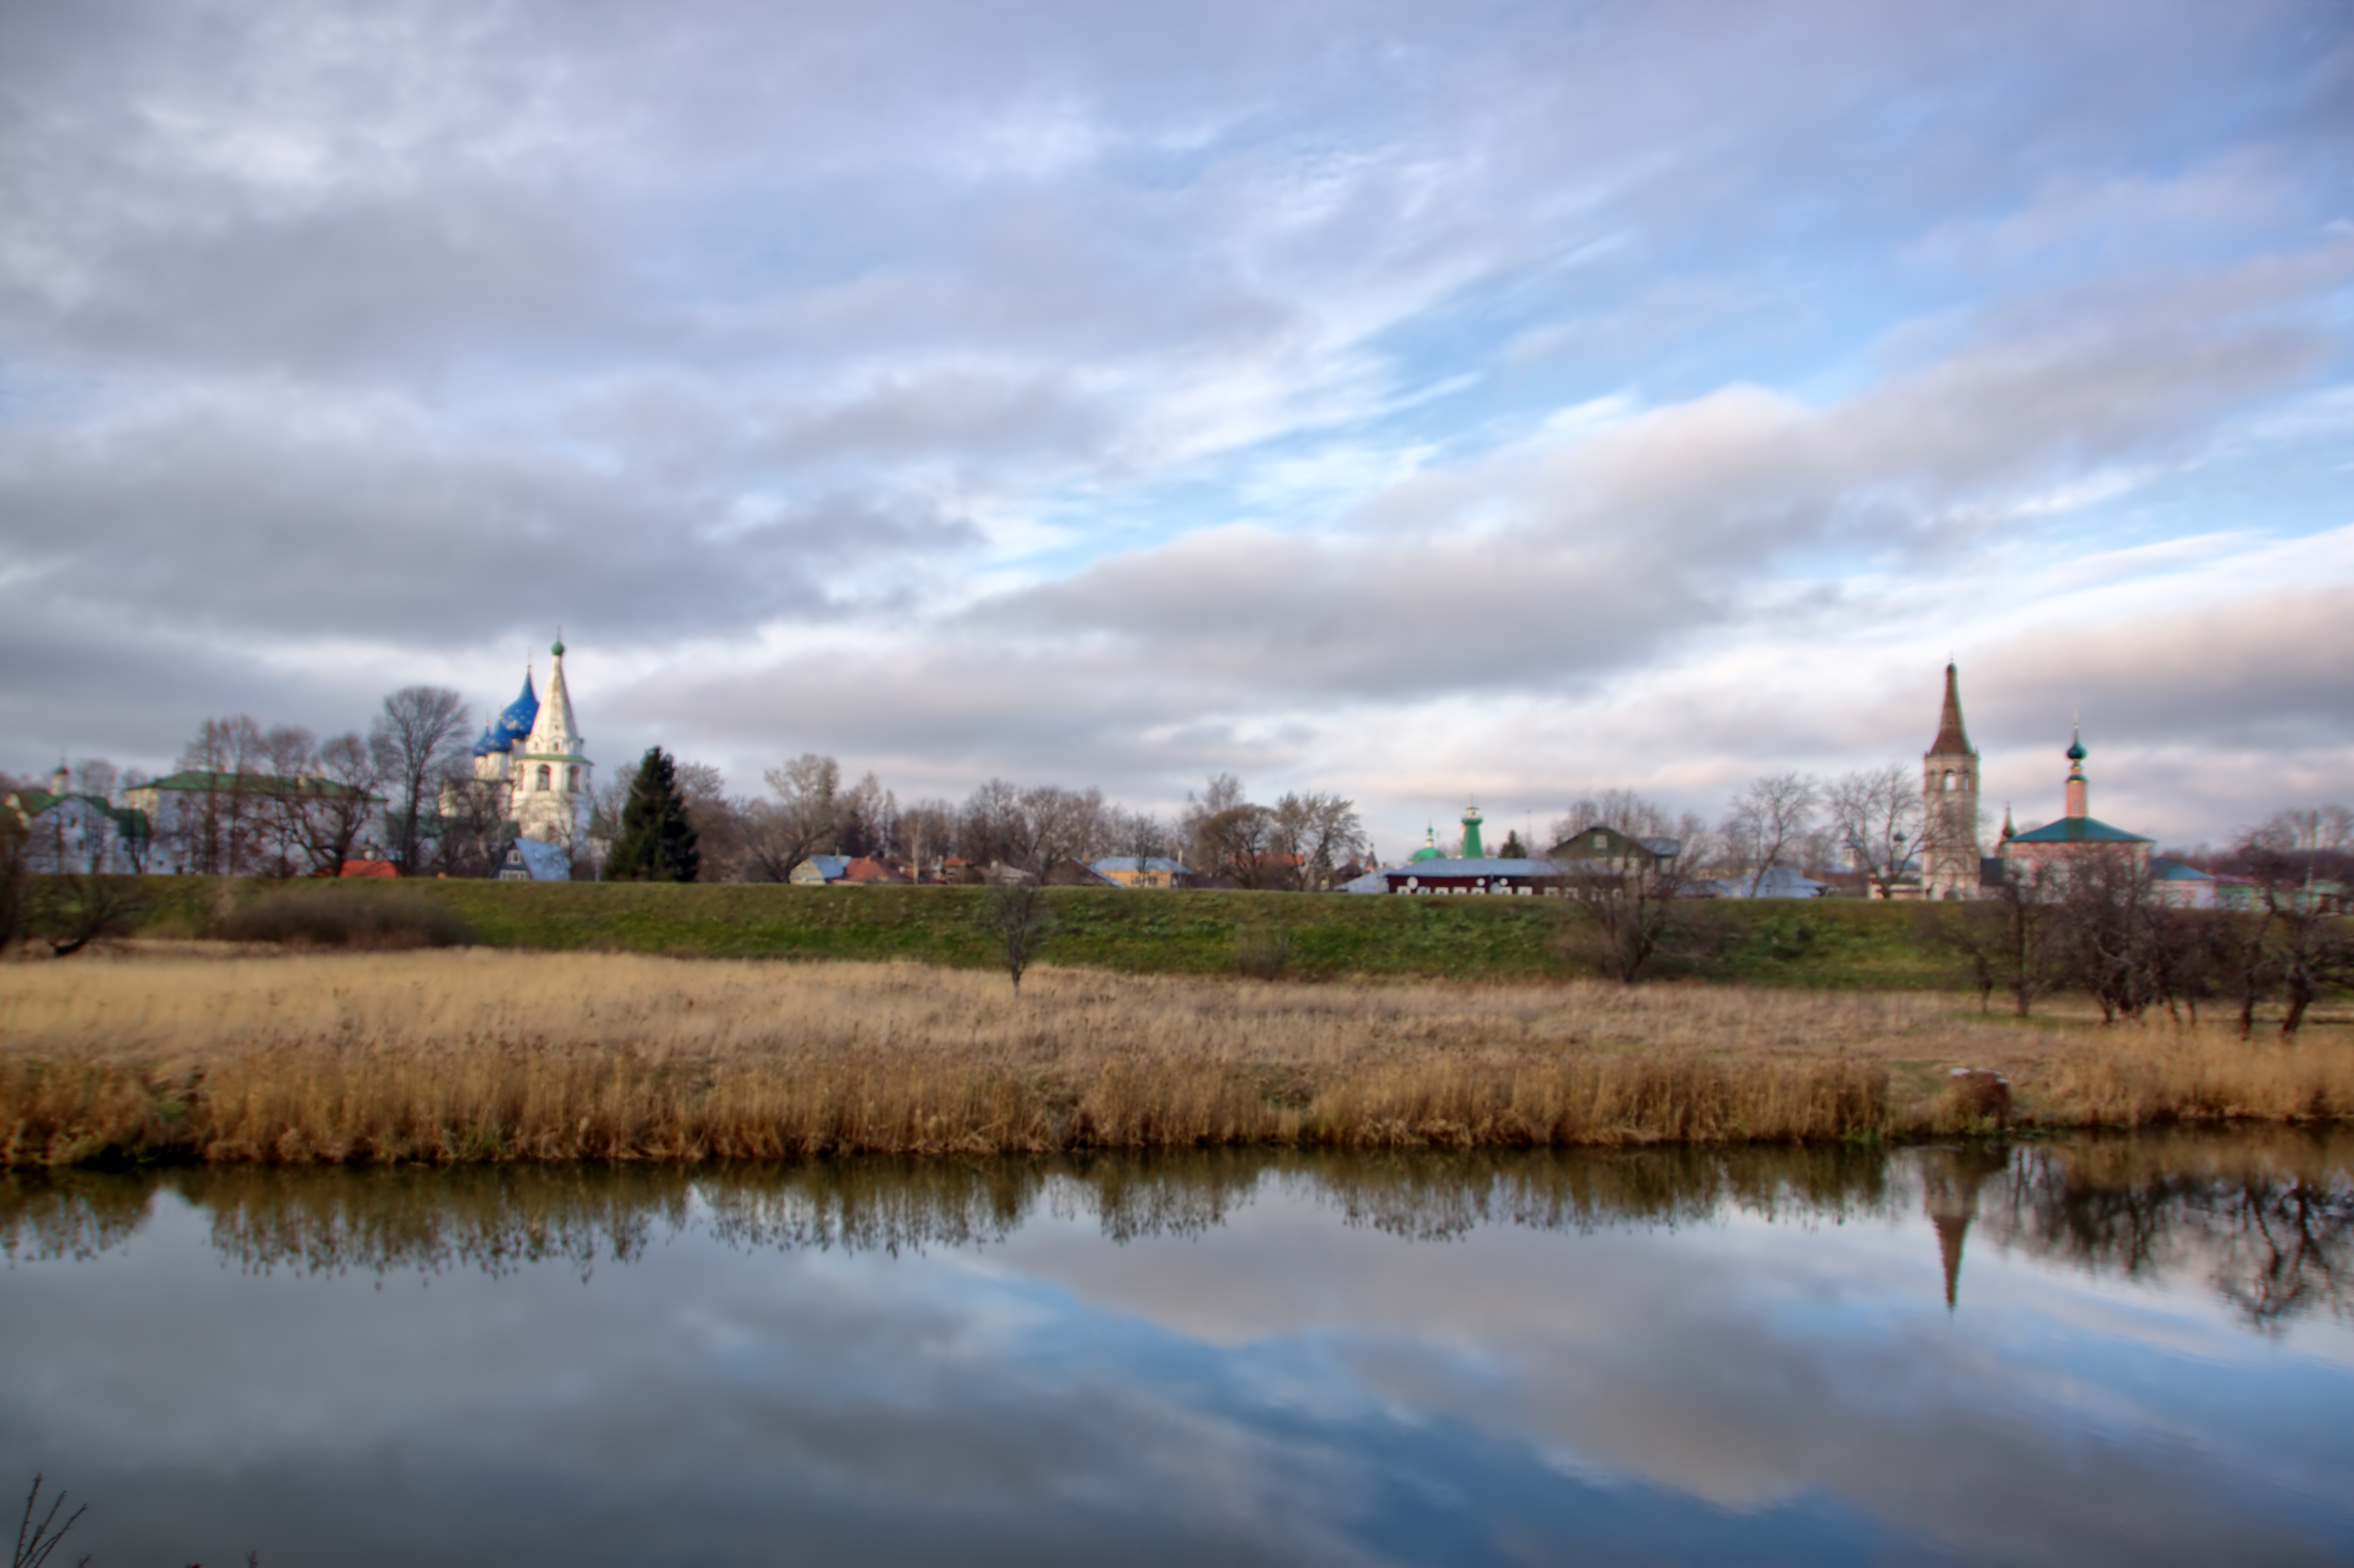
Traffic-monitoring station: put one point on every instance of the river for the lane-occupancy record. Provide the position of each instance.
(2100, 1350)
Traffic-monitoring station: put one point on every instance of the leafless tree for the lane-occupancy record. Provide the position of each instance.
(80, 907)
(2318, 829)
(472, 827)
(334, 818)
(1768, 819)
(2014, 942)
(36, 1544)
(2298, 947)
(1223, 793)
(1061, 824)
(865, 816)
(802, 820)
(1141, 837)
(1018, 917)
(285, 766)
(1239, 844)
(721, 825)
(1876, 813)
(412, 740)
(1313, 834)
(138, 840)
(13, 835)
(1621, 811)
(211, 826)
(1624, 911)
(924, 832)
(2107, 935)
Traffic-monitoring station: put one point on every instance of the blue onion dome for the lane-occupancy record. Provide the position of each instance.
(492, 741)
(2075, 748)
(521, 714)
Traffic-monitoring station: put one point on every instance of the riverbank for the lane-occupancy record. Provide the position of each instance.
(1836, 943)
(480, 1055)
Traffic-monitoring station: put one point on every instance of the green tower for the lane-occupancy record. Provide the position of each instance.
(1472, 848)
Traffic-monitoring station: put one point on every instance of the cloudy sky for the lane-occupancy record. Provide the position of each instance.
(1410, 400)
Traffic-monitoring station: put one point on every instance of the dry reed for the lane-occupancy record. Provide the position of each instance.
(482, 1055)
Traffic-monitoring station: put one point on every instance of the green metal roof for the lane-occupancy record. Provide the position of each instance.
(128, 821)
(2079, 831)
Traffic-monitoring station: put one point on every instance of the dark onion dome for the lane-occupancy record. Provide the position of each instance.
(2075, 745)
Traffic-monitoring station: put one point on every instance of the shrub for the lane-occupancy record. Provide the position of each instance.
(347, 918)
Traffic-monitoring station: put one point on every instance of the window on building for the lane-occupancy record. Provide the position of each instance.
(546, 775)
(572, 779)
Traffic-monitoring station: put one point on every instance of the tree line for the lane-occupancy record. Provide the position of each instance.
(1297, 843)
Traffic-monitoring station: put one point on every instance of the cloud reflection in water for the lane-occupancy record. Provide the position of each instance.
(1669, 1356)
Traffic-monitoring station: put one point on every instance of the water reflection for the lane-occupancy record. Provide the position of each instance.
(2265, 1218)
(2109, 1350)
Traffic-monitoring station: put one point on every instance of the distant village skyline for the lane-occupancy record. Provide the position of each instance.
(1425, 402)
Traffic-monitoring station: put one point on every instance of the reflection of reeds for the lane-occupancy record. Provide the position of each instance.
(480, 1056)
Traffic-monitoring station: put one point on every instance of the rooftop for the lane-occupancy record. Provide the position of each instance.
(2078, 830)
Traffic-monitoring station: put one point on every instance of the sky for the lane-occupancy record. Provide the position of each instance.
(1412, 401)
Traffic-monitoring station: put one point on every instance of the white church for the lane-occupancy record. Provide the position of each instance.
(533, 752)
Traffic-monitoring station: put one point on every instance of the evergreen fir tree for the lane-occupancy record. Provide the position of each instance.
(656, 843)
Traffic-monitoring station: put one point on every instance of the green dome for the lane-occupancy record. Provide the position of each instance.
(2075, 747)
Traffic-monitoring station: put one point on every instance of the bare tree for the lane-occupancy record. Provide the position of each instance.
(211, 824)
(1239, 844)
(1142, 838)
(865, 816)
(1311, 835)
(780, 834)
(1019, 918)
(335, 816)
(1766, 819)
(1061, 825)
(2014, 941)
(287, 760)
(412, 740)
(721, 822)
(1622, 811)
(924, 832)
(13, 835)
(2298, 947)
(2318, 830)
(1625, 910)
(472, 827)
(1876, 813)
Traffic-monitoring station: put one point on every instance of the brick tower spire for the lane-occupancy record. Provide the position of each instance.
(1949, 804)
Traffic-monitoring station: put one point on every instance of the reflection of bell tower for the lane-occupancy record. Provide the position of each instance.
(1950, 1179)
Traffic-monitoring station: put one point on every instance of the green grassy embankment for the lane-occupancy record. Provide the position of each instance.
(1816, 944)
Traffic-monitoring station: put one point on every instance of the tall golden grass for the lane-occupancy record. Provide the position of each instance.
(482, 1056)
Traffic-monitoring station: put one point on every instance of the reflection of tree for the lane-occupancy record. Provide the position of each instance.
(2272, 1230)
(2284, 1250)
(67, 1213)
(2267, 1219)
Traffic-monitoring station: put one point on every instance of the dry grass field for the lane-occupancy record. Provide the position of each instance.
(477, 1055)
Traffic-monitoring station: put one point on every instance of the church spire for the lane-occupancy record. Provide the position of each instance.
(2078, 788)
(1952, 739)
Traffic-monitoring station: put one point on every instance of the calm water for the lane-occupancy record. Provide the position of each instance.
(2113, 1351)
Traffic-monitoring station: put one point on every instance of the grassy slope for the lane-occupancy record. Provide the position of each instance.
(1825, 943)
